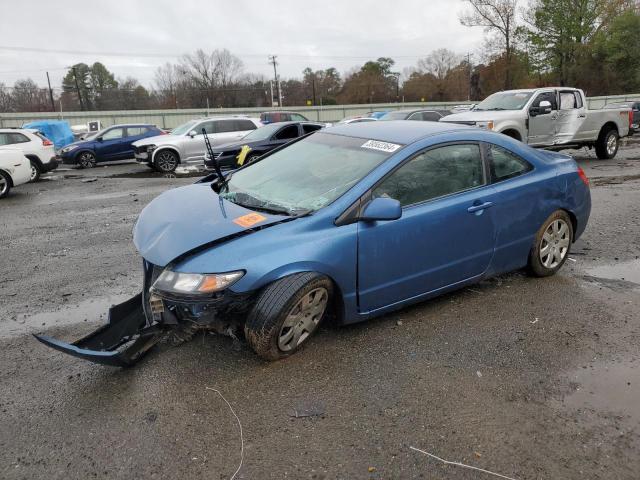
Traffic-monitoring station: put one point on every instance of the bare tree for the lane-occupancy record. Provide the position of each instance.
(439, 63)
(495, 16)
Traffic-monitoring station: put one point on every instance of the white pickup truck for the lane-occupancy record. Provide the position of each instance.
(556, 118)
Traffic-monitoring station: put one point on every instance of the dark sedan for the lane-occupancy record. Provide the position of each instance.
(257, 143)
(420, 114)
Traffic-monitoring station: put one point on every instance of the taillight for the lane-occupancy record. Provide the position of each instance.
(46, 142)
(162, 132)
(583, 176)
(630, 118)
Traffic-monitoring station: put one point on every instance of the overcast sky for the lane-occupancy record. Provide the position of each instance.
(147, 33)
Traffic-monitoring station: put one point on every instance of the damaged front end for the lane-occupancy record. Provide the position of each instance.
(152, 316)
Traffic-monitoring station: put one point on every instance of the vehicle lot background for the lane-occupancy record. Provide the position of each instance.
(173, 118)
(532, 378)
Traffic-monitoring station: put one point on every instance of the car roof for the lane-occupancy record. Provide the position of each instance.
(279, 111)
(396, 131)
(130, 125)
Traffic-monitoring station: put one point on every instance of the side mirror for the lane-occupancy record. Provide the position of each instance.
(192, 133)
(544, 108)
(99, 139)
(382, 209)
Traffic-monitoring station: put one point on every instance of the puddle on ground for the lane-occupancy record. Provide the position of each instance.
(608, 387)
(627, 271)
(88, 311)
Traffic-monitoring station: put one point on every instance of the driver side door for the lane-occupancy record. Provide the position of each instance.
(542, 127)
(446, 233)
(111, 144)
(284, 135)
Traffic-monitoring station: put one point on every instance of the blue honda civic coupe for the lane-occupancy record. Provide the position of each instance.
(350, 222)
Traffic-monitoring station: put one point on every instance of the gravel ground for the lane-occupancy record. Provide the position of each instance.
(530, 378)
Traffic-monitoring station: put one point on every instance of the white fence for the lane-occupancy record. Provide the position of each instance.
(173, 118)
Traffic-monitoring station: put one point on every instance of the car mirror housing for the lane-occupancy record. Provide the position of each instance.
(192, 133)
(382, 209)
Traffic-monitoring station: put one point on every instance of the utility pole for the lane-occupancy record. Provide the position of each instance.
(53, 105)
(470, 75)
(75, 77)
(272, 60)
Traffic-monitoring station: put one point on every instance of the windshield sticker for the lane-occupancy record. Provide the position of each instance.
(382, 146)
(249, 220)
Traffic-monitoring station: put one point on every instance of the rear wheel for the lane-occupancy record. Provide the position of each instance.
(166, 161)
(552, 245)
(287, 313)
(35, 172)
(87, 160)
(607, 144)
(5, 184)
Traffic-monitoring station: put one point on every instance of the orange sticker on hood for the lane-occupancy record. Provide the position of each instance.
(249, 220)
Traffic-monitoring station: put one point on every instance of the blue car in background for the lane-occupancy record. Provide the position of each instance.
(350, 222)
(112, 143)
(58, 131)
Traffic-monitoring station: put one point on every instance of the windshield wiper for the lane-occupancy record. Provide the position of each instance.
(496, 108)
(248, 201)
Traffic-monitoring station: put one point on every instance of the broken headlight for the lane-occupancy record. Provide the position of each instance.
(194, 283)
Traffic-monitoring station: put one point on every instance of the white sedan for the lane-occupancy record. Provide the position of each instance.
(15, 169)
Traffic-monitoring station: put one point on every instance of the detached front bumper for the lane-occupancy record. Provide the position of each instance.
(136, 325)
(120, 343)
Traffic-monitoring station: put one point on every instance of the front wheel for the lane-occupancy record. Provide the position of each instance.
(166, 161)
(287, 313)
(5, 184)
(552, 245)
(607, 144)
(35, 172)
(87, 160)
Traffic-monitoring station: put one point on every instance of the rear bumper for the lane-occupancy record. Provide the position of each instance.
(52, 164)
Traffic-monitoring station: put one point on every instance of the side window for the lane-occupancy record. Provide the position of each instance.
(4, 139)
(298, 118)
(11, 138)
(225, 126)
(113, 134)
(435, 173)
(415, 116)
(568, 101)
(549, 97)
(244, 125)
(135, 131)
(431, 116)
(578, 99)
(290, 131)
(309, 127)
(505, 165)
(209, 127)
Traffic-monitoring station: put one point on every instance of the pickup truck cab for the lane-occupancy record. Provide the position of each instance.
(556, 118)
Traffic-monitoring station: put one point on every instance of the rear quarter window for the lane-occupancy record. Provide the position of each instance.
(505, 164)
(243, 125)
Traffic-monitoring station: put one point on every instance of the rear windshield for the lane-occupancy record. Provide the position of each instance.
(308, 174)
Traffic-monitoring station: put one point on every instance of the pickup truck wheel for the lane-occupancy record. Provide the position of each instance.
(35, 172)
(607, 144)
(5, 184)
(287, 313)
(551, 245)
(166, 161)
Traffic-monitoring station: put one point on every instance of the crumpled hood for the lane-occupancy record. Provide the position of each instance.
(185, 218)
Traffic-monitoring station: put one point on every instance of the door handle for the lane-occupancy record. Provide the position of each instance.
(477, 208)
(582, 115)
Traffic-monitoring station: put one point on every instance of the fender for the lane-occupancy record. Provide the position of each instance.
(166, 147)
(35, 159)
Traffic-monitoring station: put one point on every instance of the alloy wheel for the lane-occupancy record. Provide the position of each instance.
(87, 160)
(4, 185)
(612, 144)
(34, 173)
(555, 243)
(166, 161)
(303, 319)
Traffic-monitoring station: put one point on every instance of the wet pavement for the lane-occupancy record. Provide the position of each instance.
(529, 378)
